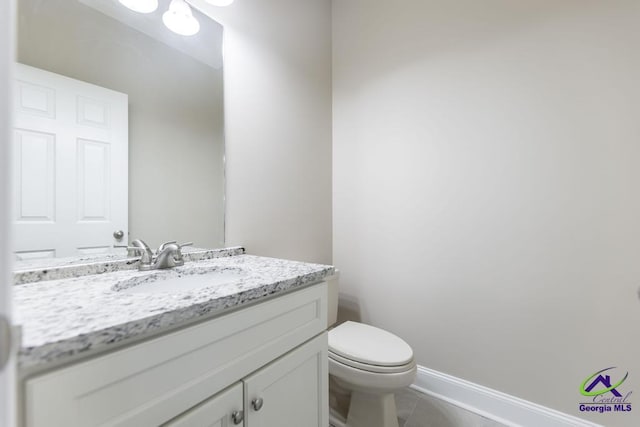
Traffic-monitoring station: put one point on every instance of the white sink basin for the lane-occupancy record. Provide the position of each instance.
(180, 280)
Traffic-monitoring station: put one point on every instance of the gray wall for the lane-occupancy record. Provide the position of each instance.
(176, 136)
(278, 126)
(486, 203)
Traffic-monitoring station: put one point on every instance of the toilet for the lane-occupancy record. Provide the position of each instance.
(369, 364)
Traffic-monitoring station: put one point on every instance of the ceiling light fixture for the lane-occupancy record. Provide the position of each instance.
(220, 2)
(179, 19)
(141, 6)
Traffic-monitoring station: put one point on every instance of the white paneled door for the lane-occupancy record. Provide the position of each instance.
(70, 166)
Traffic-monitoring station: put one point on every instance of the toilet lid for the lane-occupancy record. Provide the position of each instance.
(369, 345)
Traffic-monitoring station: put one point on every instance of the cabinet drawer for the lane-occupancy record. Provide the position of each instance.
(147, 384)
(215, 412)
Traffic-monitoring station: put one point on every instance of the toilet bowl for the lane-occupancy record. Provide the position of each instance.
(370, 364)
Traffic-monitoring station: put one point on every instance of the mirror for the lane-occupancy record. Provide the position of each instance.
(120, 73)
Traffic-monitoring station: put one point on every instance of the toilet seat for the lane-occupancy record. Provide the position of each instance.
(370, 368)
(369, 348)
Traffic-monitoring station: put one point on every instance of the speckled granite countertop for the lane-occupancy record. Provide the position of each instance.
(63, 319)
(31, 271)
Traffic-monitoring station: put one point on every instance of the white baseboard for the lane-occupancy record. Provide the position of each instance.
(492, 404)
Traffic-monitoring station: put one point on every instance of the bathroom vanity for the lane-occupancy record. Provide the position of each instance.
(248, 351)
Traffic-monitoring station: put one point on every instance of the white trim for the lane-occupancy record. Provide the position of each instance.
(7, 40)
(492, 404)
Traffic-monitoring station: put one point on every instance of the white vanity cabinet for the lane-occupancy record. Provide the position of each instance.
(266, 363)
(288, 392)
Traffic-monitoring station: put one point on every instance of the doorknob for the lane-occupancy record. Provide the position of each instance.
(118, 235)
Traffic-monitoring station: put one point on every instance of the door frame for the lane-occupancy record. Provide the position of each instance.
(7, 58)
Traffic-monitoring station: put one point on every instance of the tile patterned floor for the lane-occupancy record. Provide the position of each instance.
(421, 410)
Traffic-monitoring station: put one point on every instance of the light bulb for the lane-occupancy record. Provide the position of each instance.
(180, 20)
(141, 6)
(219, 2)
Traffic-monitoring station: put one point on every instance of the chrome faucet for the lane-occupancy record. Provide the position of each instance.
(139, 246)
(168, 255)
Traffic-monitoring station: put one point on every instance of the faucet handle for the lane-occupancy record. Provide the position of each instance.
(179, 255)
(173, 242)
(178, 258)
(169, 255)
(165, 244)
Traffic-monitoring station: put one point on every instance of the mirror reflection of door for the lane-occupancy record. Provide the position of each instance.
(70, 165)
(175, 95)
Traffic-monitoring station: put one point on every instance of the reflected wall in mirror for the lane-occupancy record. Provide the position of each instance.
(98, 77)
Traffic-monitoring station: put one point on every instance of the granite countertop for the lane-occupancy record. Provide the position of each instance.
(30, 271)
(67, 318)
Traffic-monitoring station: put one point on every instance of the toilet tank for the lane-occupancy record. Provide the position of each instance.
(332, 303)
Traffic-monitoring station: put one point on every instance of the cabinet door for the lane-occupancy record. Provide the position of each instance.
(292, 391)
(222, 410)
